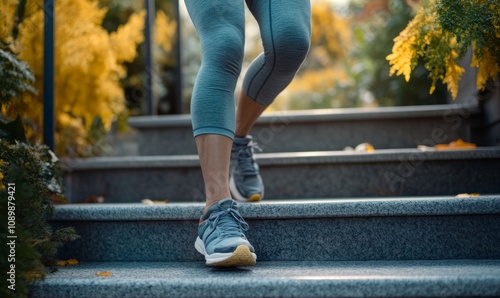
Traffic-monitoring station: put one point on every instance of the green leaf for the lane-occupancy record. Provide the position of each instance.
(13, 131)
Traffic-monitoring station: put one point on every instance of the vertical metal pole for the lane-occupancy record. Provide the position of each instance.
(178, 68)
(48, 74)
(150, 16)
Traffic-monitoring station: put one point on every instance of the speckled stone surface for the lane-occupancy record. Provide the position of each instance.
(385, 127)
(449, 278)
(404, 172)
(403, 229)
(266, 209)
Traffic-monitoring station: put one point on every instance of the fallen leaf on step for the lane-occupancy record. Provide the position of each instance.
(103, 273)
(32, 275)
(456, 145)
(94, 199)
(69, 262)
(58, 199)
(364, 147)
(151, 202)
(467, 195)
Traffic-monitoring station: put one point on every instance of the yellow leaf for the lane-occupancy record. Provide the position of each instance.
(364, 147)
(69, 262)
(457, 145)
(453, 74)
(103, 273)
(467, 195)
(433, 88)
(153, 202)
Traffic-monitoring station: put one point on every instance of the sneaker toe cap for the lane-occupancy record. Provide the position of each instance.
(230, 245)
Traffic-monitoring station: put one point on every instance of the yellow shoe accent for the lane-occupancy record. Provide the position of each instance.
(254, 198)
(242, 256)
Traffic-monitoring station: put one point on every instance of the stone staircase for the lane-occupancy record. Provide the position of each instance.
(334, 223)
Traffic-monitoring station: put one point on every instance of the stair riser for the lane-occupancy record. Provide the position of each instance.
(319, 239)
(281, 135)
(405, 177)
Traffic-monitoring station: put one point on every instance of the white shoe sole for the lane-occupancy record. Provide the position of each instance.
(239, 197)
(242, 256)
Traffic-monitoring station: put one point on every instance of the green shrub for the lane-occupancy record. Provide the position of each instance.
(33, 176)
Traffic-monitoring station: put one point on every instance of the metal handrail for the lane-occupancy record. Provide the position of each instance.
(48, 74)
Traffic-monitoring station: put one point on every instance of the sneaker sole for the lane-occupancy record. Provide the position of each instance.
(239, 197)
(242, 256)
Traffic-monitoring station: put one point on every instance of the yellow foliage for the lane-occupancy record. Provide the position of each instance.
(453, 74)
(424, 37)
(330, 30)
(165, 30)
(7, 12)
(487, 68)
(125, 39)
(404, 55)
(88, 69)
(317, 80)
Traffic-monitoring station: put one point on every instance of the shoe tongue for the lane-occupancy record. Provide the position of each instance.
(226, 203)
(221, 205)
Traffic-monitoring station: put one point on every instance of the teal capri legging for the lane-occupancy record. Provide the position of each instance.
(285, 28)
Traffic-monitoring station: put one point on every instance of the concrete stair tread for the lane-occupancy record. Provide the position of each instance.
(268, 159)
(424, 278)
(321, 115)
(281, 209)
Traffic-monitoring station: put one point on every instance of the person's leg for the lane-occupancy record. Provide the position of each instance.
(214, 151)
(247, 113)
(285, 28)
(220, 25)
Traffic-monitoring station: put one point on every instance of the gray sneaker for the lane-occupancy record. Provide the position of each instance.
(245, 182)
(221, 239)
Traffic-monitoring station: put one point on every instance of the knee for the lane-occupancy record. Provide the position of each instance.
(291, 48)
(223, 49)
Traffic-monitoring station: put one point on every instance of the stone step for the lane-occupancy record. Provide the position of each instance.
(424, 228)
(331, 174)
(324, 130)
(446, 278)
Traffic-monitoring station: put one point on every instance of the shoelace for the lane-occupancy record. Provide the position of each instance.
(246, 165)
(228, 226)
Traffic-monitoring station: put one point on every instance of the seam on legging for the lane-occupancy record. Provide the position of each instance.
(274, 56)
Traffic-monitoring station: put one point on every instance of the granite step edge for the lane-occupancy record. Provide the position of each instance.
(322, 115)
(446, 278)
(270, 159)
(368, 207)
